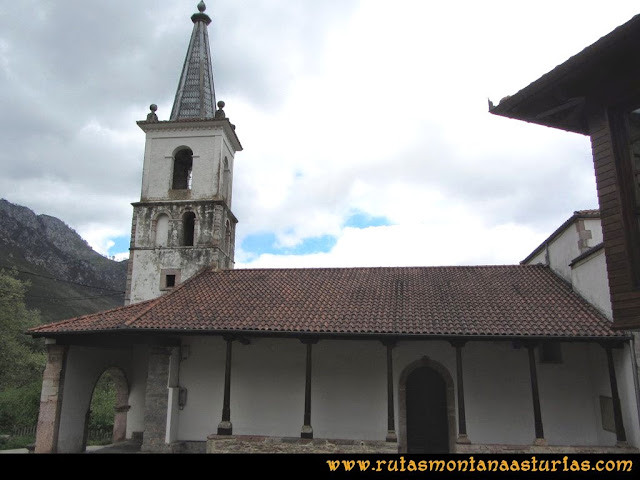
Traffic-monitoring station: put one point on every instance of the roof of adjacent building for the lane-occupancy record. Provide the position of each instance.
(577, 215)
(558, 98)
(486, 301)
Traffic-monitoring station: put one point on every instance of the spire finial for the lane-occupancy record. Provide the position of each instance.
(220, 112)
(201, 16)
(152, 117)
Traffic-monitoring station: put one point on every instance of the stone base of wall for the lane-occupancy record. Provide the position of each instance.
(261, 444)
(177, 447)
(558, 449)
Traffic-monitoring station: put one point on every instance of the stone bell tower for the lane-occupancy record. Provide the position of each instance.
(183, 221)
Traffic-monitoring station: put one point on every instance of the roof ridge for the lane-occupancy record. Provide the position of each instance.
(487, 266)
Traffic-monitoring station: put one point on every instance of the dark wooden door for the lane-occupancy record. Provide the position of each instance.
(427, 425)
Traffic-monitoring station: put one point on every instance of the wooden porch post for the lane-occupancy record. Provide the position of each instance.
(225, 427)
(621, 435)
(462, 417)
(391, 419)
(537, 415)
(307, 429)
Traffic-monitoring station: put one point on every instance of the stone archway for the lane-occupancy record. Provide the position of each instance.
(121, 406)
(427, 400)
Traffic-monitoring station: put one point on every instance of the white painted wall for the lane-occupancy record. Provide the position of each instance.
(562, 250)
(541, 257)
(349, 395)
(497, 393)
(566, 398)
(625, 371)
(349, 398)
(589, 279)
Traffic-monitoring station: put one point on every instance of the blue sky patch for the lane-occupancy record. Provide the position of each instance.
(363, 220)
(121, 245)
(267, 243)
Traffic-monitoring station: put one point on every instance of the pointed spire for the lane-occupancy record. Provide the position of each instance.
(196, 97)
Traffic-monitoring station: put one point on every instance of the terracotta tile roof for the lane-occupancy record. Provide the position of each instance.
(512, 300)
(107, 320)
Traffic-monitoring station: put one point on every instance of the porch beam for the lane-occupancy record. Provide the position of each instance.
(537, 415)
(225, 427)
(621, 435)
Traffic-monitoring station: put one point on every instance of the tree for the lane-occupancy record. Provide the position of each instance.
(21, 358)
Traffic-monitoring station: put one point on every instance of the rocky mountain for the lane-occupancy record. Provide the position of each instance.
(68, 278)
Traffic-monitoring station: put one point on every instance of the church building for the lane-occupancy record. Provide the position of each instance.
(506, 358)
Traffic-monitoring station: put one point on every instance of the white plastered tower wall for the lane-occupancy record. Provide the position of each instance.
(213, 145)
(183, 221)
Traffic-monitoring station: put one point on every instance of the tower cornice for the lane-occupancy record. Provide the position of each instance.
(193, 124)
(156, 203)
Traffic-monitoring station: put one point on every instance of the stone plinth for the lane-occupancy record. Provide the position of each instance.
(262, 444)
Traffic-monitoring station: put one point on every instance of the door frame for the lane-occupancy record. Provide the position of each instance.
(450, 397)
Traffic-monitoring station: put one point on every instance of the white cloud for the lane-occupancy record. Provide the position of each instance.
(340, 106)
(467, 241)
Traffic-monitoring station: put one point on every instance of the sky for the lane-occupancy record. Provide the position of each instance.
(365, 126)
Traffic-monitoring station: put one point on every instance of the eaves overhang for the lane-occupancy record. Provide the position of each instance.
(561, 98)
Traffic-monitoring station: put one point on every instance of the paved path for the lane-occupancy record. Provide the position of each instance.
(123, 447)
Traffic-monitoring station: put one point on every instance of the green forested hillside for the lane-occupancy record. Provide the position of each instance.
(67, 278)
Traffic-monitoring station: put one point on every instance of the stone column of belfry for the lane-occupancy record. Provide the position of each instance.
(537, 415)
(51, 399)
(462, 416)
(621, 436)
(392, 436)
(307, 429)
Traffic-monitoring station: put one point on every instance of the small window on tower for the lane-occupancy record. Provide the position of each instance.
(169, 278)
(182, 169)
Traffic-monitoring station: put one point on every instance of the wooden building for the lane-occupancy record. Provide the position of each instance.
(597, 93)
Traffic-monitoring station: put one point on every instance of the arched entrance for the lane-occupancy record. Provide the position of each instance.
(111, 391)
(427, 409)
